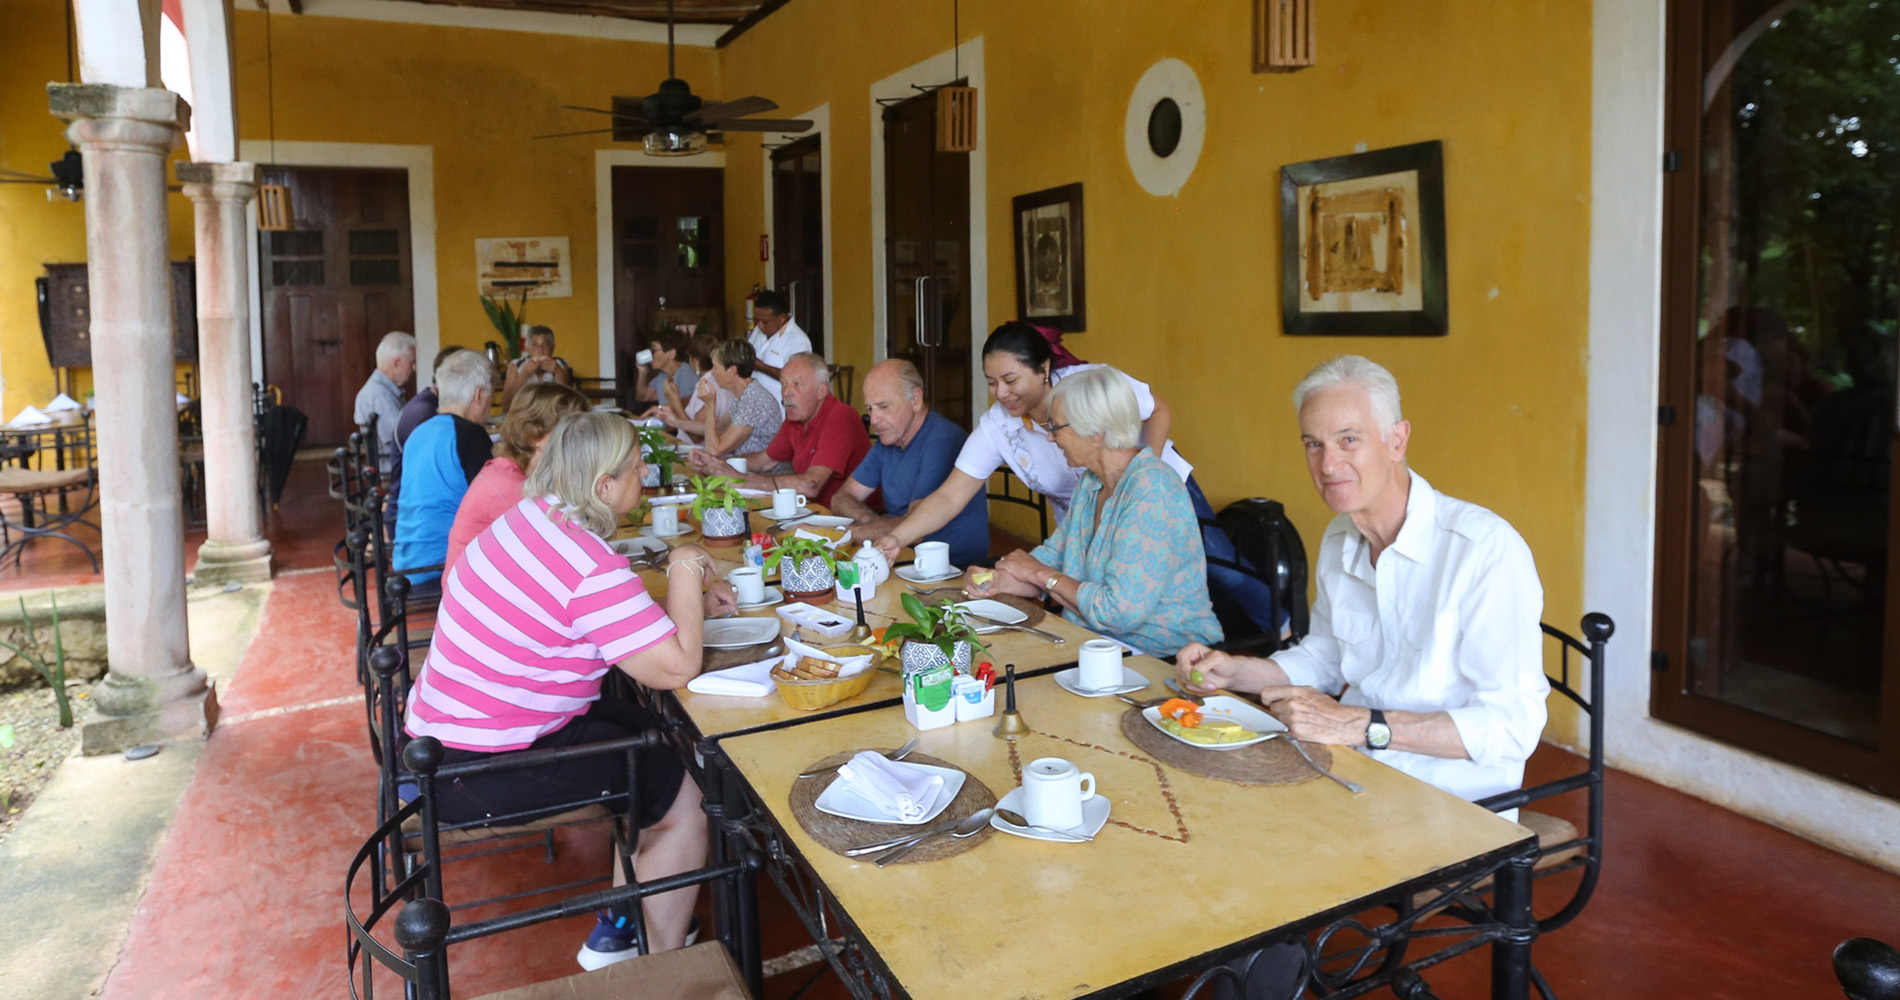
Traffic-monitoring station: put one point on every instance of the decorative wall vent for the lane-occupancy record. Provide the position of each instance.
(1282, 35)
(956, 119)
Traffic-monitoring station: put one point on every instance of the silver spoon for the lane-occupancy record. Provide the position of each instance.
(970, 826)
(1144, 702)
(898, 754)
(1019, 819)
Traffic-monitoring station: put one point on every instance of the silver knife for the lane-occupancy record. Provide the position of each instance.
(884, 845)
(1351, 786)
(1051, 636)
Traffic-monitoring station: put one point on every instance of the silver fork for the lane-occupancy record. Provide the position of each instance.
(1351, 786)
(921, 592)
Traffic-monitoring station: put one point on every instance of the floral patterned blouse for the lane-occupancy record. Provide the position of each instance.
(1142, 570)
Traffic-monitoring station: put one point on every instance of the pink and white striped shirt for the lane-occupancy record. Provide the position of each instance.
(532, 616)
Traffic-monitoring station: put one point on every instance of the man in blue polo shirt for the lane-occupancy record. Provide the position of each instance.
(914, 452)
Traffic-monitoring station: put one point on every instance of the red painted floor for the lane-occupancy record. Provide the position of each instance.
(245, 898)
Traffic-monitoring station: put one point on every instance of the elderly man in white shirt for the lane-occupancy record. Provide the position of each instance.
(775, 338)
(1427, 614)
(1427, 618)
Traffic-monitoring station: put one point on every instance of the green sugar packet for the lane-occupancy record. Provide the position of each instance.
(931, 688)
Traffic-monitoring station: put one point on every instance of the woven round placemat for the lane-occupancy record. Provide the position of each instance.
(1271, 762)
(837, 834)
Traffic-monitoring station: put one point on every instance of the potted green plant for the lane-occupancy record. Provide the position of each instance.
(507, 317)
(720, 510)
(806, 568)
(661, 458)
(937, 634)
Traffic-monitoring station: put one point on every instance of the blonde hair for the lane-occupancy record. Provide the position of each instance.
(580, 450)
(1098, 401)
(535, 411)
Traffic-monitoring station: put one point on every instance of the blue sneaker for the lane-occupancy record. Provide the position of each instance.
(612, 941)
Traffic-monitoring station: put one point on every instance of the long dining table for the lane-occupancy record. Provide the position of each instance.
(1188, 873)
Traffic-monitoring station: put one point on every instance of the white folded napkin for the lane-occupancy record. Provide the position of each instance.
(748, 680)
(62, 402)
(904, 792)
(848, 666)
(30, 417)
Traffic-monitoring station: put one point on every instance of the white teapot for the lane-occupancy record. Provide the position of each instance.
(871, 564)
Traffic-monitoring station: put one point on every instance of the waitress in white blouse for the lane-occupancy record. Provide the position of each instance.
(1021, 367)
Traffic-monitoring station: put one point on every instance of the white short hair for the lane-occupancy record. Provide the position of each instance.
(819, 368)
(393, 345)
(463, 375)
(1098, 401)
(1351, 369)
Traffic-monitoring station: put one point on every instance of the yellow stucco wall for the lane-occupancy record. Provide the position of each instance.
(1184, 291)
(34, 231)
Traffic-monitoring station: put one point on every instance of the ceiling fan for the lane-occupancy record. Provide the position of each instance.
(68, 177)
(676, 122)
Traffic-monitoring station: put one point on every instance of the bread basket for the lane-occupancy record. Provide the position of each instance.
(812, 695)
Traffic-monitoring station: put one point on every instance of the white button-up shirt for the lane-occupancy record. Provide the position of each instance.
(1446, 622)
(776, 350)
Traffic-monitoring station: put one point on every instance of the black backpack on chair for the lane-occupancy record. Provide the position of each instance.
(1269, 548)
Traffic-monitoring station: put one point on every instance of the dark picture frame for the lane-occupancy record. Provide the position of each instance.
(1051, 280)
(1352, 269)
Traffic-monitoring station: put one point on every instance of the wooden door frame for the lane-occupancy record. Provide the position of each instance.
(419, 161)
(605, 160)
(820, 118)
(966, 60)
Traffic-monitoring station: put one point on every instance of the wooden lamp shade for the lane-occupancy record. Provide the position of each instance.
(1282, 35)
(273, 207)
(956, 119)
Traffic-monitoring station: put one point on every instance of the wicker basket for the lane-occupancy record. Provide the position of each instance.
(810, 696)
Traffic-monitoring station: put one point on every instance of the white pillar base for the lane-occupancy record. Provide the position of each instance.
(220, 563)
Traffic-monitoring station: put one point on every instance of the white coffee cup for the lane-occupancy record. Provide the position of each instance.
(1101, 664)
(787, 502)
(748, 582)
(1053, 793)
(738, 464)
(933, 558)
(666, 518)
(644, 357)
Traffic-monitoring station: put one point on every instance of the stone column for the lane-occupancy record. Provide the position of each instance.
(152, 691)
(234, 548)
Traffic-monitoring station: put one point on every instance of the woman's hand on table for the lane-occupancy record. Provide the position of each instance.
(1025, 568)
(983, 586)
(721, 600)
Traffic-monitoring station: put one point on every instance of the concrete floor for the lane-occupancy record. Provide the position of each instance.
(236, 893)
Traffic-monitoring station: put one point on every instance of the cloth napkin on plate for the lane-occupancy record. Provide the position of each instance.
(748, 680)
(30, 417)
(62, 402)
(906, 793)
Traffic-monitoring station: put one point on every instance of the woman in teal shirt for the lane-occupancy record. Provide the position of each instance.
(1127, 560)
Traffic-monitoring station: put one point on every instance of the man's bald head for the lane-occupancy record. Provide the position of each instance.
(894, 398)
(805, 381)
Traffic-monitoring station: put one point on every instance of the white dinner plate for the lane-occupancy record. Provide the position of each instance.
(1094, 817)
(839, 800)
(773, 595)
(734, 633)
(1070, 680)
(912, 574)
(995, 611)
(1220, 706)
(651, 532)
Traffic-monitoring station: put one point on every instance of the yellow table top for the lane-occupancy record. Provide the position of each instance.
(717, 715)
(1185, 865)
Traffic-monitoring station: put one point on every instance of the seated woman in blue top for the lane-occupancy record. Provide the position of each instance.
(1126, 560)
(442, 457)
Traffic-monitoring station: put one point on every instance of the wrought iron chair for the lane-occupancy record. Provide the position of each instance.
(423, 926)
(1032, 500)
(44, 500)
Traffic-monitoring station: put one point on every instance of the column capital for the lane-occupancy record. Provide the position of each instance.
(73, 101)
(210, 181)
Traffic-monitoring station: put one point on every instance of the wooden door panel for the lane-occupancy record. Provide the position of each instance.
(927, 206)
(668, 225)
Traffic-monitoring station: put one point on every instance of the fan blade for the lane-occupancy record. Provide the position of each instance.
(623, 116)
(734, 109)
(563, 135)
(48, 181)
(764, 125)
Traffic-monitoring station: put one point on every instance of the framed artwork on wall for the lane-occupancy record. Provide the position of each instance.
(1362, 244)
(1051, 286)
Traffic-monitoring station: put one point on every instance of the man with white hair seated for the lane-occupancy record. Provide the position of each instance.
(381, 395)
(1426, 619)
(442, 457)
(821, 437)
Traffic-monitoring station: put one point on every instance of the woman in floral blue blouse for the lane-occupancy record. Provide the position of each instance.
(1126, 560)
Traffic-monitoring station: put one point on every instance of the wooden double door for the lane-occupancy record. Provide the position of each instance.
(669, 255)
(798, 231)
(332, 286)
(927, 256)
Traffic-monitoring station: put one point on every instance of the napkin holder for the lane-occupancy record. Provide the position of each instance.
(920, 714)
(982, 706)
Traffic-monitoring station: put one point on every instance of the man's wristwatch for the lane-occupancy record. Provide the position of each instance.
(1378, 734)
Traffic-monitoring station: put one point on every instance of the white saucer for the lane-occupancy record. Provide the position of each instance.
(801, 512)
(651, 532)
(773, 595)
(1070, 680)
(1094, 817)
(911, 574)
(839, 800)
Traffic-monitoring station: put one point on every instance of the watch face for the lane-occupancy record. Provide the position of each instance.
(1378, 736)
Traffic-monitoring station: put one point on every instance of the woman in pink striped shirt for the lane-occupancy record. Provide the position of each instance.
(533, 614)
(497, 488)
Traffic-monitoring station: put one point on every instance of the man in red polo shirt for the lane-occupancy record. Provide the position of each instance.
(821, 437)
